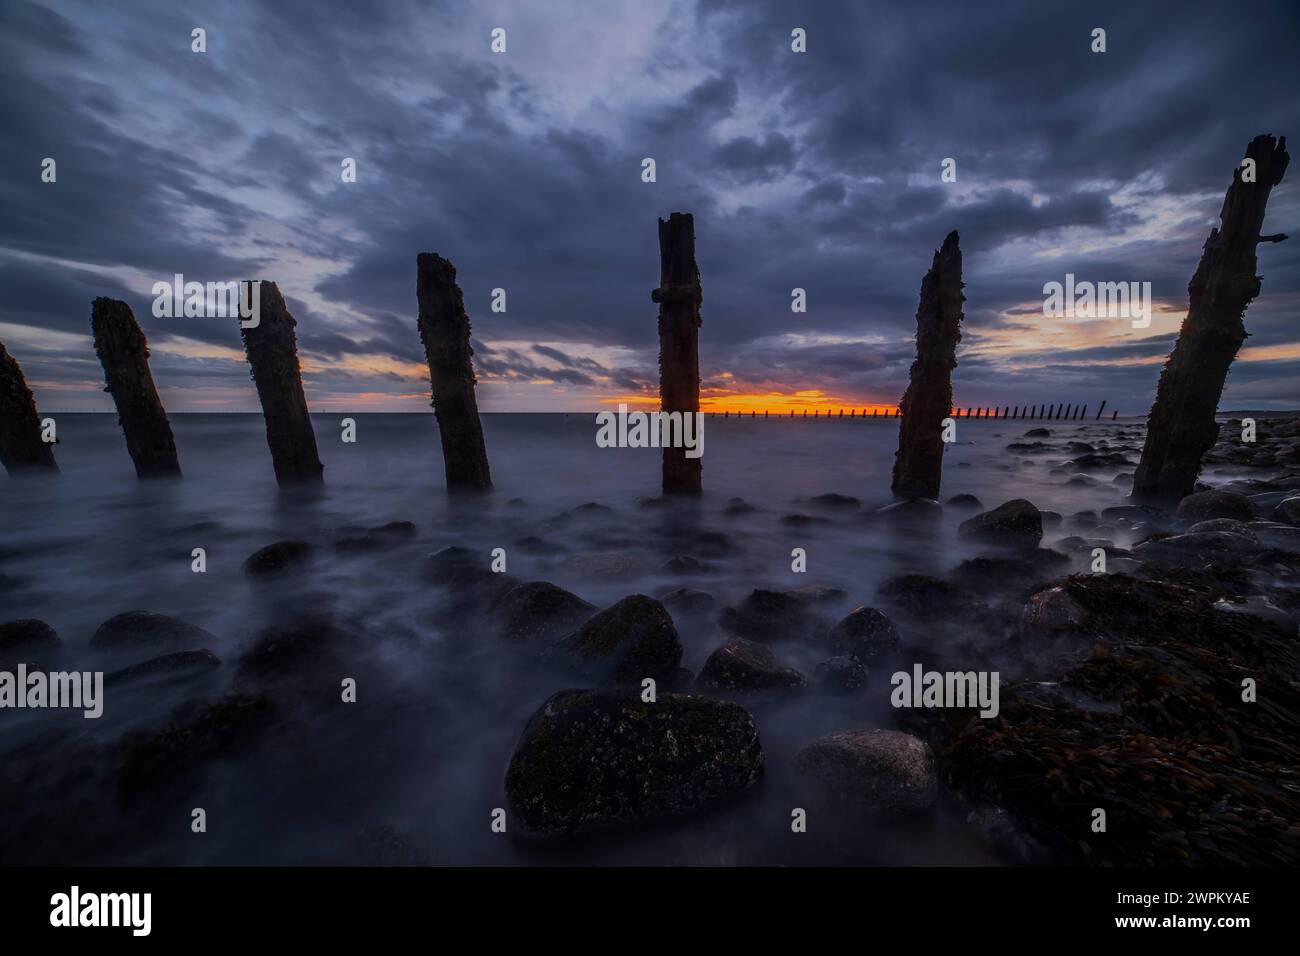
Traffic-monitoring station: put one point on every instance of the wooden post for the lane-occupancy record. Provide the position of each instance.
(272, 348)
(679, 296)
(21, 447)
(918, 465)
(1181, 426)
(444, 331)
(1102, 409)
(124, 353)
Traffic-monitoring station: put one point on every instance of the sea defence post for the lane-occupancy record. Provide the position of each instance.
(124, 353)
(272, 347)
(21, 445)
(679, 297)
(1181, 427)
(918, 465)
(444, 330)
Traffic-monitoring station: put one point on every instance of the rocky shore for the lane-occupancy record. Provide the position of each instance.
(1158, 681)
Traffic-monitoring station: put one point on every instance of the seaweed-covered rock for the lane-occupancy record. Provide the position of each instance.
(538, 612)
(964, 501)
(277, 558)
(1288, 511)
(1198, 549)
(197, 735)
(589, 760)
(1147, 718)
(871, 771)
(626, 642)
(921, 595)
(1217, 503)
(986, 574)
(864, 633)
(767, 615)
(293, 649)
(137, 630)
(747, 665)
(685, 600)
(1015, 524)
(27, 641)
(843, 673)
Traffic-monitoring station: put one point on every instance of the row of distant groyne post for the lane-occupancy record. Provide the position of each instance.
(1181, 425)
(1039, 412)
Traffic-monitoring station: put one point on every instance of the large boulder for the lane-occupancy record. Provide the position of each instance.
(590, 760)
(747, 665)
(137, 630)
(864, 633)
(27, 641)
(1015, 524)
(538, 612)
(871, 771)
(626, 642)
(1204, 505)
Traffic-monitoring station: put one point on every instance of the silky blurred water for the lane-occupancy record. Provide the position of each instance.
(422, 761)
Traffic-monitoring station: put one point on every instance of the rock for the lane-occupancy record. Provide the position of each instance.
(590, 760)
(627, 642)
(865, 633)
(688, 601)
(1051, 518)
(133, 630)
(775, 615)
(986, 574)
(1038, 433)
(921, 595)
(180, 664)
(1198, 549)
(683, 564)
(871, 770)
(1016, 524)
(802, 520)
(1231, 525)
(965, 501)
(28, 641)
(738, 506)
(1204, 505)
(1085, 519)
(197, 734)
(294, 649)
(746, 665)
(842, 502)
(843, 673)
(1288, 511)
(538, 612)
(1027, 446)
(277, 558)
(1051, 611)
(1262, 609)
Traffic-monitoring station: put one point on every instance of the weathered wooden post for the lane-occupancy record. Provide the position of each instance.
(444, 331)
(124, 353)
(918, 465)
(679, 297)
(1181, 426)
(272, 348)
(1102, 409)
(21, 447)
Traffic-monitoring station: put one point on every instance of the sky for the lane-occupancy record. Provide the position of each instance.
(819, 170)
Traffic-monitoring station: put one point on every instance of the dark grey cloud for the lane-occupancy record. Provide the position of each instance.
(817, 170)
